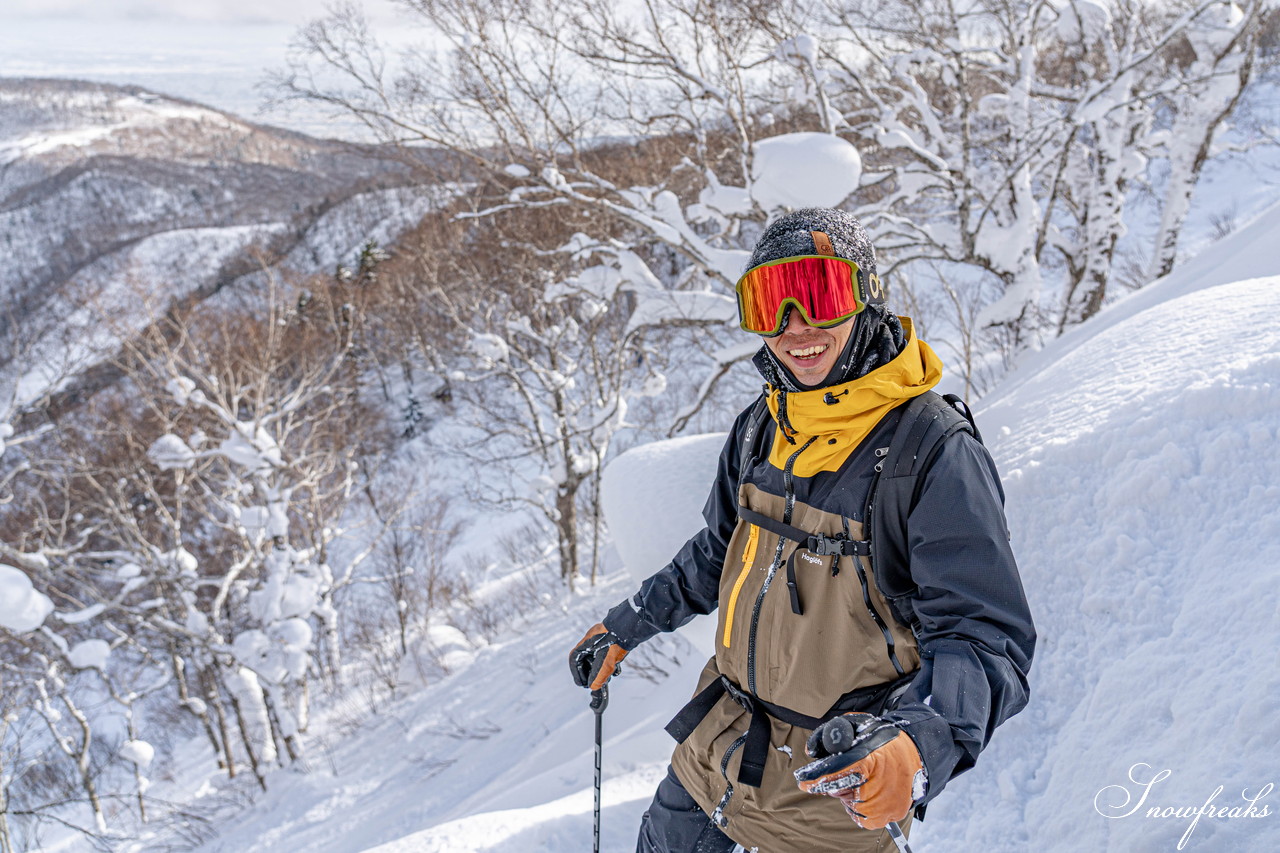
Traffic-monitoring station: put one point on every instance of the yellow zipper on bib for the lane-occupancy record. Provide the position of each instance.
(748, 557)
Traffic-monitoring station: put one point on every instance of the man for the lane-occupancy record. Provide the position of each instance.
(820, 624)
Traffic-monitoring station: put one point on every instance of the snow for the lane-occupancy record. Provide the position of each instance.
(124, 112)
(1247, 253)
(804, 170)
(490, 348)
(118, 294)
(169, 452)
(81, 616)
(1142, 509)
(275, 655)
(653, 497)
(22, 608)
(138, 752)
(660, 307)
(180, 388)
(89, 654)
(1083, 21)
(1138, 454)
(250, 446)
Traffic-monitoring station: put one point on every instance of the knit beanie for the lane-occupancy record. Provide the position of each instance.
(877, 335)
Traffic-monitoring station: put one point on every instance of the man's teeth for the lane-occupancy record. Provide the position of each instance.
(808, 352)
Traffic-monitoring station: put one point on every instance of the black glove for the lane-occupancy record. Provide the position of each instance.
(596, 657)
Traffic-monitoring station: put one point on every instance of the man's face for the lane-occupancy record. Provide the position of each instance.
(809, 352)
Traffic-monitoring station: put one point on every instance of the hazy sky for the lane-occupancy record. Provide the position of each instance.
(212, 51)
(221, 11)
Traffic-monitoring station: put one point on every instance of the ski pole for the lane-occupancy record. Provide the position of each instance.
(599, 701)
(899, 839)
(840, 738)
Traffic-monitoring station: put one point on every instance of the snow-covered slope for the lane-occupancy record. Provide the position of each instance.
(1143, 483)
(1139, 456)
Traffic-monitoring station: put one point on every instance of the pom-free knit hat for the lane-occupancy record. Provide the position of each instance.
(822, 231)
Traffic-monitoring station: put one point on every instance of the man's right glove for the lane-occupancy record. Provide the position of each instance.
(869, 764)
(596, 657)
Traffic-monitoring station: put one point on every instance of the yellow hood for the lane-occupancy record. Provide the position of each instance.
(860, 404)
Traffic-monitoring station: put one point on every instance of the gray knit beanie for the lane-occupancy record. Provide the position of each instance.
(792, 235)
(877, 336)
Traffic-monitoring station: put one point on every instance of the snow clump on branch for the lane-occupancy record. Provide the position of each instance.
(169, 452)
(22, 608)
(804, 170)
(89, 654)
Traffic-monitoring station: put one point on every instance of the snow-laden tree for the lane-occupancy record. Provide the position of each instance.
(548, 355)
(1218, 56)
(1008, 136)
(650, 123)
(171, 548)
(1005, 139)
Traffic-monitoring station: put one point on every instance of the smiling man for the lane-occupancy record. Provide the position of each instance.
(873, 630)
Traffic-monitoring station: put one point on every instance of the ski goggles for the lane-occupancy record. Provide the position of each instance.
(825, 290)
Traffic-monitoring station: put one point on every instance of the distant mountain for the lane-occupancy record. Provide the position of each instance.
(115, 200)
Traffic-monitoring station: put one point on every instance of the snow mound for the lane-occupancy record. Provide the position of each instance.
(804, 170)
(89, 654)
(1142, 484)
(653, 497)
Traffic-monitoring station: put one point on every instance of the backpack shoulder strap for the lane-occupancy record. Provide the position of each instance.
(963, 408)
(751, 438)
(926, 423)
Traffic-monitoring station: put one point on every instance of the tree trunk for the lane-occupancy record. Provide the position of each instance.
(6, 840)
(567, 531)
(277, 730)
(214, 700)
(1104, 219)
(595, 519)
(248, 741)
(184, 695)
(1184, 171)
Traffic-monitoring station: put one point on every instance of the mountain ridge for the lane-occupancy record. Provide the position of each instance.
(91, 174)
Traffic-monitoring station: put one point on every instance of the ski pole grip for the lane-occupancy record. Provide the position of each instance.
(837, 736)
(600, 699)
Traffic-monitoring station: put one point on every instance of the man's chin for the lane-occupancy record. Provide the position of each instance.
(810, 375)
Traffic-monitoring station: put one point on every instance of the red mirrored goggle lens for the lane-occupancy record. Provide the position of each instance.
(825, 290)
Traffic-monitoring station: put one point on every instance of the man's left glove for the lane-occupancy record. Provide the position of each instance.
(596, 657)
(869, 764)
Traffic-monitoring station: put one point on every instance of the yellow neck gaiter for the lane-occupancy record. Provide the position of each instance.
(860, 404)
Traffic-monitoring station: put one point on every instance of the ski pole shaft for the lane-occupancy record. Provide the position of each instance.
(599, 701)
(899, 839)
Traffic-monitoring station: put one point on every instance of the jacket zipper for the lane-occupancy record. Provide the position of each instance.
(788, 489)
(884, 629)
(748, 558)
(717, 815)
